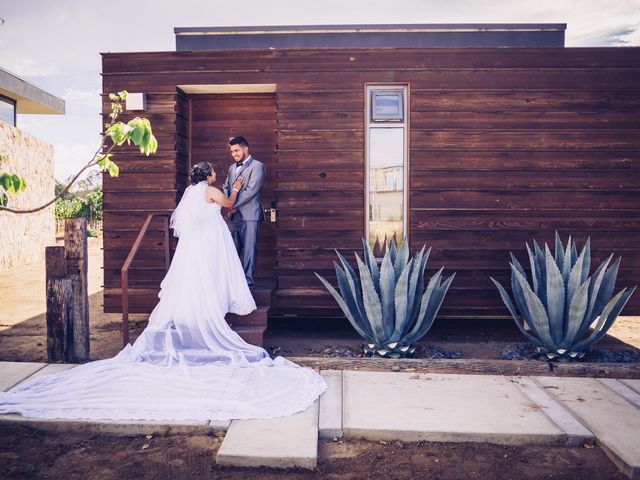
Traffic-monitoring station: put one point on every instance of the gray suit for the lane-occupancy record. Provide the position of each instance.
(245, 223)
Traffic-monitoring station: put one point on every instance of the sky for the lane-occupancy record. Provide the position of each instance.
(56, 44)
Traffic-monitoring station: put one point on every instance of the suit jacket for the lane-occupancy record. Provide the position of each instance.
(249, 200)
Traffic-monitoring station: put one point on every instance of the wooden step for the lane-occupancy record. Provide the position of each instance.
(144, 299)
(257, 318)
(262, 295)
(253, 334)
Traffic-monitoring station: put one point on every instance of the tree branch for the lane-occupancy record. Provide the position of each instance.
(91, 163)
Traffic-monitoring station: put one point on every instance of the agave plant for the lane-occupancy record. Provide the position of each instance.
(563, 301)
(388, 304)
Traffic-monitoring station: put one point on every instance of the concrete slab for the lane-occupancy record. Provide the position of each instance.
(614, 420)
(220, 424)
(576, 433)
(50, 368)
(111, 427)
(442, 407)
(632, 384)
(283, 442)
(623, 390)
(330, 418)
(12, 373)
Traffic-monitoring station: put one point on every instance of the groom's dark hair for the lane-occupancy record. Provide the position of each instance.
(239, 141)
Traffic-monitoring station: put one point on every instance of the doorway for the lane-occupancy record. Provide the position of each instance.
(213, 119)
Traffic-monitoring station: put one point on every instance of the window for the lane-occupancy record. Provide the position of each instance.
(386, 164)
(8, 110)
(387, 106)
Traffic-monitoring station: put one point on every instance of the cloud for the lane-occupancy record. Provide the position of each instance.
(28, 67)
(628, 36)
(83, 102)
(71, 158)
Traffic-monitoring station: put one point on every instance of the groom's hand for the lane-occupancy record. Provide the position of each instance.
(231, 212)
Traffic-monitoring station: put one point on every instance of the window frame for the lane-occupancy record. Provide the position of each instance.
(369, 124)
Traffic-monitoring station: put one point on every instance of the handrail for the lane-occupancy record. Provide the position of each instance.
(127, 263)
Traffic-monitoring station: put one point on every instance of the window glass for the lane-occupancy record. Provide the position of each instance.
(386, 184)
(7, 111)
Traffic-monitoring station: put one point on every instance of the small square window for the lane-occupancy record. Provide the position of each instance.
(8, 110)
(387, 106)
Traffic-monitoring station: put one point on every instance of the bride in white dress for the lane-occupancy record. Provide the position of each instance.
(188, 364)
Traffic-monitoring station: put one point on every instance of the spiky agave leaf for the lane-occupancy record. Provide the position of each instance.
(392, 248)
(564, 286)
(372, 264)
(512, 310)
(555, 298)
(538, 318)
(401, 259)
(576, 315)
(387, 294)
(345, 309)
(608, 316)
(401, 300)
(535, 273)
(434, 302)
(576, 277)
(352, 299)
(372, 304)
(401, 312)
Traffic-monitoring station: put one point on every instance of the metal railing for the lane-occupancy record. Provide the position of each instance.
(127, 263)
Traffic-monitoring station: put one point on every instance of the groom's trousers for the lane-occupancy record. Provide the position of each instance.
(245, 237)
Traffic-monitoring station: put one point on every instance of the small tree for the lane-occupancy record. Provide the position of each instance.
(137, 130)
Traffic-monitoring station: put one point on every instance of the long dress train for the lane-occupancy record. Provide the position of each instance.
(188, 364)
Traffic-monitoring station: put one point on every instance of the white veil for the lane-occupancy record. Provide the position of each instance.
(189, 211)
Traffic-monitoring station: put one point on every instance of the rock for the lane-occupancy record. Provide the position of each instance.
(395, 368)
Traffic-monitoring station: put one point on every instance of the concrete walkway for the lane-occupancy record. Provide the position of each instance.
(410, 407)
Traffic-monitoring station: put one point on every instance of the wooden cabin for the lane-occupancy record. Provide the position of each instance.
(471, 139)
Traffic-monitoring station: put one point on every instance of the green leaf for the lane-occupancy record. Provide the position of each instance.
(5, 181)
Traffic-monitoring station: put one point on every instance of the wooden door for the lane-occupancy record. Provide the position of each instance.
(214, 118)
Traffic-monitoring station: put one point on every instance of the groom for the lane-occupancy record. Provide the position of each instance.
(247, 213)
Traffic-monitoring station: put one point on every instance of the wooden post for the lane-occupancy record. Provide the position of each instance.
(59, 300)
(77, 259)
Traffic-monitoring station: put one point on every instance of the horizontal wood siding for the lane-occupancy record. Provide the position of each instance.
(506, 145)
(216, 118)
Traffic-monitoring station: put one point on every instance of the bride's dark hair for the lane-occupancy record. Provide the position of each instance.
(200, 172)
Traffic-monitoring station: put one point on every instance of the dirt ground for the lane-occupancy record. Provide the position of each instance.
(29, 453)
(26, 453)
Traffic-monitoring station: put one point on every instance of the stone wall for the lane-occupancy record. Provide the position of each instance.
(24, 237)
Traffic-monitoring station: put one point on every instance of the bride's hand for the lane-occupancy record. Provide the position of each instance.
(237, 185)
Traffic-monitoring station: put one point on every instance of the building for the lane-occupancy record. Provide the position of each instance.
(23, 238)
(488, 136)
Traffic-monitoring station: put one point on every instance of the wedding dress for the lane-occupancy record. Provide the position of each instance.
(188, 364)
